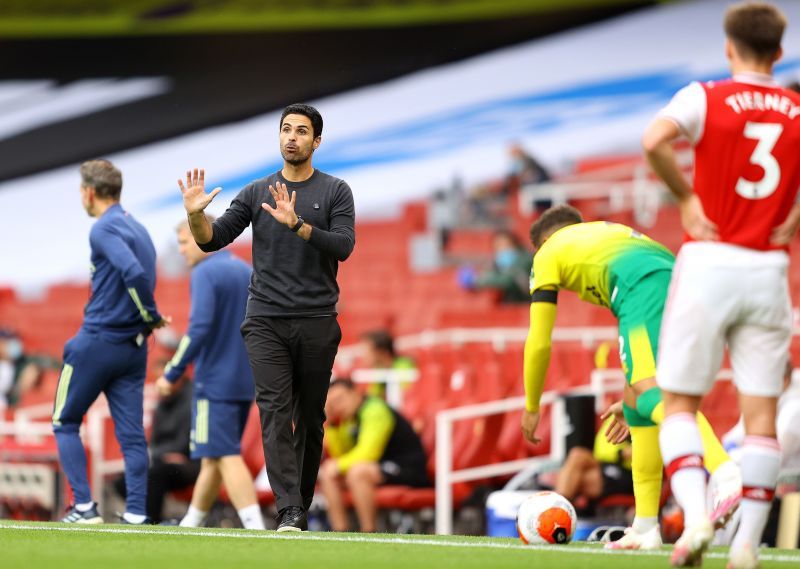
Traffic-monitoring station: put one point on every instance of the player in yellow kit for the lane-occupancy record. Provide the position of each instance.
(614, 266)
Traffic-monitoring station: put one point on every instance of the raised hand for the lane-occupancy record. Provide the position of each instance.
(283, 211)
(195, 198)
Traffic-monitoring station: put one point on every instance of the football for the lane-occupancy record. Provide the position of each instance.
(546, 517)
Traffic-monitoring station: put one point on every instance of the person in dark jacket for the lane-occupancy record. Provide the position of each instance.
(303, 226)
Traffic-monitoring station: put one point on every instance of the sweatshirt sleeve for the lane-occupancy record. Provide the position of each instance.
(107, 243)
(231, 223)
(340, 239)
(337, 439)
(537, 352)
(201, 319)
(687, 109)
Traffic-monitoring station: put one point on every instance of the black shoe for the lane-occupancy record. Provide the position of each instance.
(293, 518)
(90, 516)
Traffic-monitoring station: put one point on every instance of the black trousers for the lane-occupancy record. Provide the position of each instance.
(292, 359)
(162, 478)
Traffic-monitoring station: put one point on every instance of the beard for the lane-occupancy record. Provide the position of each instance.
(297, 158)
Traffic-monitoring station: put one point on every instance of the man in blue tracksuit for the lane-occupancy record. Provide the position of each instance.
(109, 353)
(223, 381)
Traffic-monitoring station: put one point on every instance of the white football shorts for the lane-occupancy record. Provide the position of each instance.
(720, 295)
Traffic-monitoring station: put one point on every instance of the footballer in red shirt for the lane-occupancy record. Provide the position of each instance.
(729, 286)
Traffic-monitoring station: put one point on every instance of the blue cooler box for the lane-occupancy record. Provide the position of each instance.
(501, 512)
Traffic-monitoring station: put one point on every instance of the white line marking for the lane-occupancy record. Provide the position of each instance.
(256, 534)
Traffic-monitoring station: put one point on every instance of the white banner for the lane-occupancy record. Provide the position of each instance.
(578, 93)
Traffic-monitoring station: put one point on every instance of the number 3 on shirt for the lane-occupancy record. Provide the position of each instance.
(767, 135)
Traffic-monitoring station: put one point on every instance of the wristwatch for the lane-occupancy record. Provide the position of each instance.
(298, 225)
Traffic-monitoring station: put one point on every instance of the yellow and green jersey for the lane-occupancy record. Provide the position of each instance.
(600, 261)
(604, 263)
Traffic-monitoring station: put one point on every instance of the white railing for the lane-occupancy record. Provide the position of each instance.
(31, 424)
(34, 480)
(446, 476)
(395, 380)
(499, 338)
(640, 194)
(625, 186)
(26, 432)
(601, 383)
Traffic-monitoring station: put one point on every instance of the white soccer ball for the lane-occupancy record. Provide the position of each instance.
(546, 517)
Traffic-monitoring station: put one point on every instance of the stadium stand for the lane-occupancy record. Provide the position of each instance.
(379, 290)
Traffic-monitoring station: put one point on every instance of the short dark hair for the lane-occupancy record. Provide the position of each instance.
(381, 340)
(345, 382)
(103, 176)
(555, 217)
(306, 111)
(756, 29)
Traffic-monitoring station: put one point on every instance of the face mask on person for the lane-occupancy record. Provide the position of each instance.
(13, 348)
(505, 259)
(517, 166)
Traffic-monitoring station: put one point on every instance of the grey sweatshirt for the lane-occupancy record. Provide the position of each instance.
(292, 277)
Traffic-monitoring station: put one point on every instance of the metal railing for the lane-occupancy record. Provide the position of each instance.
(446, 476)
(629, 185)
(32, 424)
(498, 337)
(601, 383)
(642, 195)
(395, 380)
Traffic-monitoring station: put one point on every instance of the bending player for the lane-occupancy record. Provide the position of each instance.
(612, 265)
(739, 214)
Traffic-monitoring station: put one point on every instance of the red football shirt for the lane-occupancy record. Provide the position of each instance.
(746, 137)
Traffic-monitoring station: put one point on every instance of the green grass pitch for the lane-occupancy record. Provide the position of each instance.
(62, 546)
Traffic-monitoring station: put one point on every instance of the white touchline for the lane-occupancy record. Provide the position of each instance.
(255, 534)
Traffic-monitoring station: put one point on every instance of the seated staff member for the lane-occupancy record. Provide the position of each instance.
(605, 470)
(369, 444)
